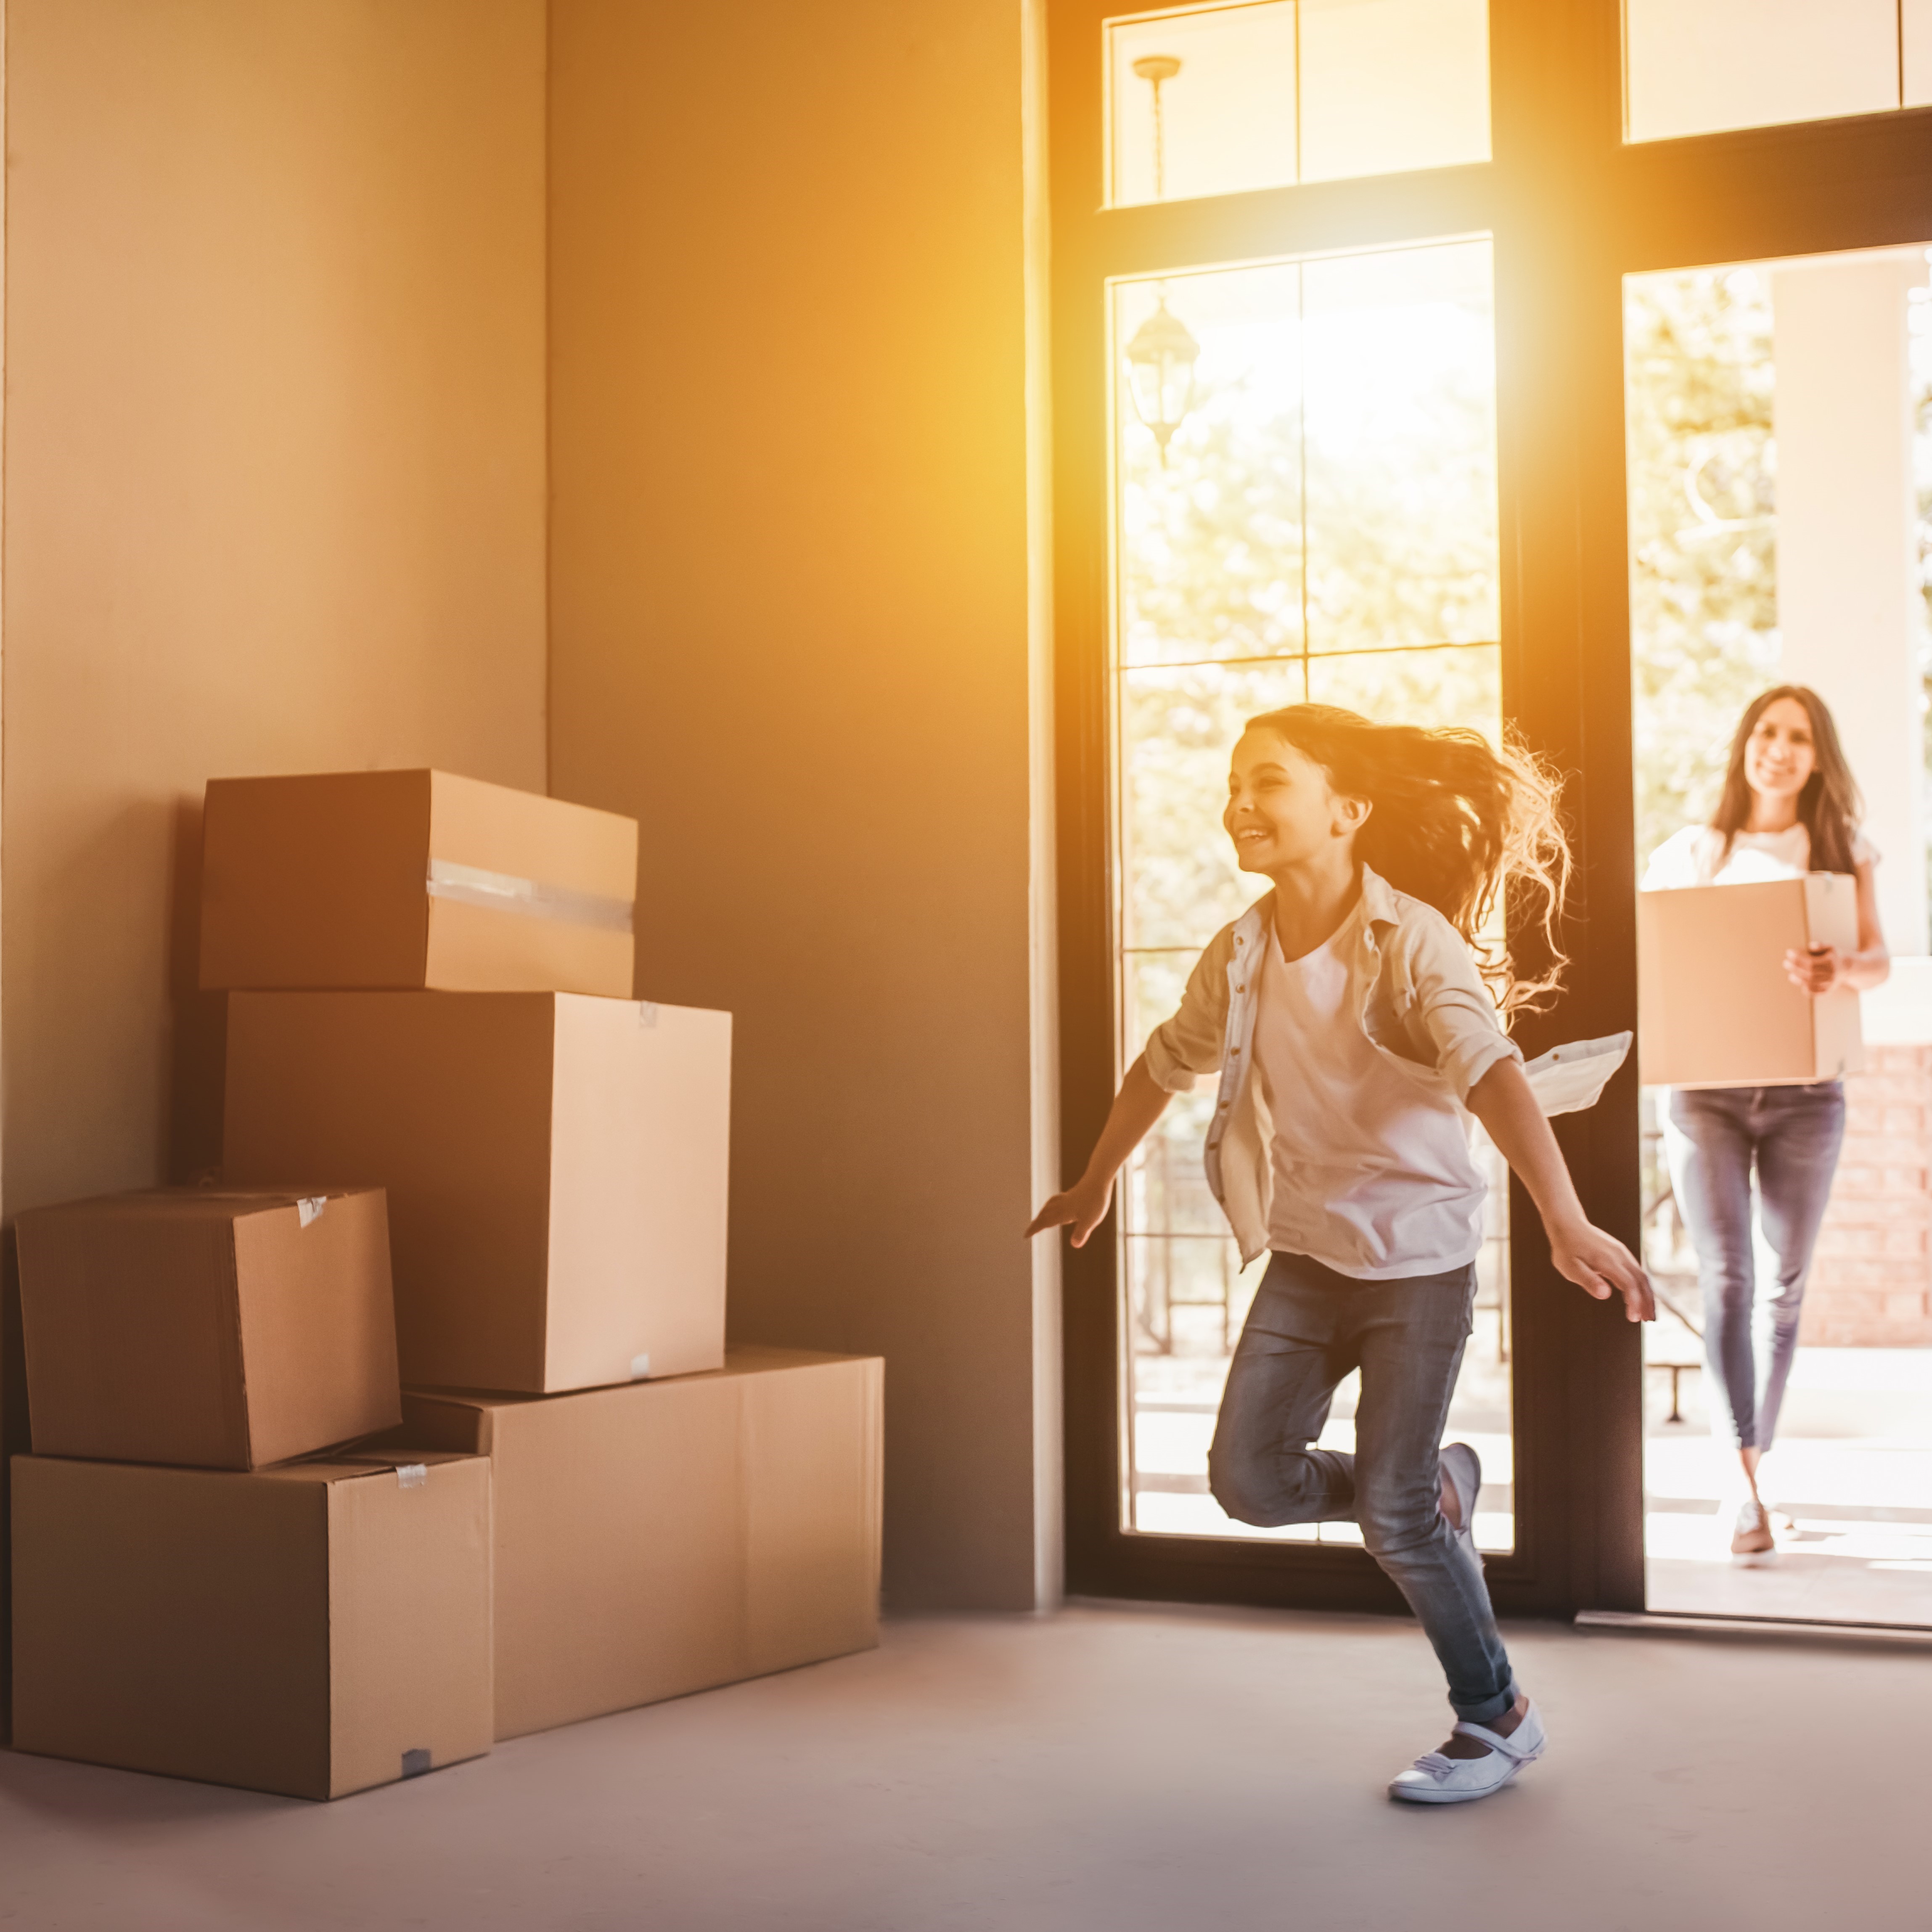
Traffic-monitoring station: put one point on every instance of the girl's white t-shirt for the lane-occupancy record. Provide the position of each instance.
(1692, 857)
(1372, 1173)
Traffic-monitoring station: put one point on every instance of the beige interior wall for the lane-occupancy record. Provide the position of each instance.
(789, 633)
(273, 476)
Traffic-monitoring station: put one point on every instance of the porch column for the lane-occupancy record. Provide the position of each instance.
(1849, 607)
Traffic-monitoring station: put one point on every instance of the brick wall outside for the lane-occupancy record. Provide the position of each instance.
(1872, 1272)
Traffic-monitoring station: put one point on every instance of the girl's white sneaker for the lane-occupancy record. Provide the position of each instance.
(1434, 1779)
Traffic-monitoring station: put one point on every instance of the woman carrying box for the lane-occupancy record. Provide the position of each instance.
(1789, 806)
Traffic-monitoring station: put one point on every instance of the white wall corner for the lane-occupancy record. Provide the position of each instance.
(1043, 911)
(1850, 611)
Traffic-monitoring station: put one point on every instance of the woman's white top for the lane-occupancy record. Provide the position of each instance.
(1695, 856)
(1372, 1174)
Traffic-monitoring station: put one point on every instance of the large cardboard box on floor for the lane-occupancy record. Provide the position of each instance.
(1715, 1007)
(312, 1629)
(556, 1168)
(660, 1539)
(413, 879)
(221, 1329)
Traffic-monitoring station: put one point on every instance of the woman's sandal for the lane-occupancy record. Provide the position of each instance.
(1752, 1545)
(1434, 1779)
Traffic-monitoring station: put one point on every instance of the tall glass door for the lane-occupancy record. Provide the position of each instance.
(1306, 510)
(1780, 470)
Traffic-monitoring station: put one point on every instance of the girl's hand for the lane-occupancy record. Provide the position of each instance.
(1598, 1263)
(1082, 1208)
(1601, 1265)
(1816, 971)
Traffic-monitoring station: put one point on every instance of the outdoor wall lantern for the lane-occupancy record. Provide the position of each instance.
(1161, 355)
(1160, 369)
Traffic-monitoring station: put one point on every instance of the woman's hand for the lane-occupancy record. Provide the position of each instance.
(1818, 970)
(1601, 1265)
(1082, 1208)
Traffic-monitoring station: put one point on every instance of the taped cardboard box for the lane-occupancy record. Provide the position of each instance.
(413, 879)
(664, 1538)
(312, 1629)
(218, 1329)
(1715, 1007)
(556, 1168)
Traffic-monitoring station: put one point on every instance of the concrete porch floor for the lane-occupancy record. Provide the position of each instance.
(1111, 1768)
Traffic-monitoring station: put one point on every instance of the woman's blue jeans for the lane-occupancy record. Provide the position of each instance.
(1308, 1328)
(1715, 1135)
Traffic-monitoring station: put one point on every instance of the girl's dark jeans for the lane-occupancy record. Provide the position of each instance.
(1308, 1328)
(1716, 1134)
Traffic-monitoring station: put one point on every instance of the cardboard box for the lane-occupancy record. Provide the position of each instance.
(222, 1330)
(1714, 1007)
(660, 1539)
(556, 1168)
(312, 1629)
(413, 879)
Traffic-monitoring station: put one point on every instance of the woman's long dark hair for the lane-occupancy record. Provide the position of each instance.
(1455, 823)
(1829, 807)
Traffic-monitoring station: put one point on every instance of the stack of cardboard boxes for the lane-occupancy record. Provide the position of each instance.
(186, 1599)
(428, 983)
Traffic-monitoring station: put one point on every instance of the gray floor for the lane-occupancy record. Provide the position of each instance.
(1109, 1768)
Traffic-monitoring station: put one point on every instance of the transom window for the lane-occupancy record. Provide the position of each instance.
(1216, 99)
(1699, 67)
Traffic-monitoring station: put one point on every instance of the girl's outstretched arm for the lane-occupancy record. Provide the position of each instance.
(1139, 1103)
(1599, 1264)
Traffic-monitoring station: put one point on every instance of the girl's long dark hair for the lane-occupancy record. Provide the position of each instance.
(1829, 807)
(1456, 823)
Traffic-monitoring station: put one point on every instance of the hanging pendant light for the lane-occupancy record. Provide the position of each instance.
(1154, 69)
(1161, 355)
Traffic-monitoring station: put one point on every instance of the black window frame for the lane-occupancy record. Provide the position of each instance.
(1572, 209)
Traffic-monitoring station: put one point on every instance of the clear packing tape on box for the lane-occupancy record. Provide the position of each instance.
(1569, 1078)
(503, 892)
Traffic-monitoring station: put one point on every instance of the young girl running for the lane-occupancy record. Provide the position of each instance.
(1347, 1018)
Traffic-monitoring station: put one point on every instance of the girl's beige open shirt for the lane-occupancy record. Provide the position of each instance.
(1413, 989)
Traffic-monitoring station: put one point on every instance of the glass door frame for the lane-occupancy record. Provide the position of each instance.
(1572, 210)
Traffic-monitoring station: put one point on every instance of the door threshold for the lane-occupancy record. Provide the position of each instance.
(1692, 1623)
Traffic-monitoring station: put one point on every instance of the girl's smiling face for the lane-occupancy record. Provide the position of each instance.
(1281, 811)
(1781, 754)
